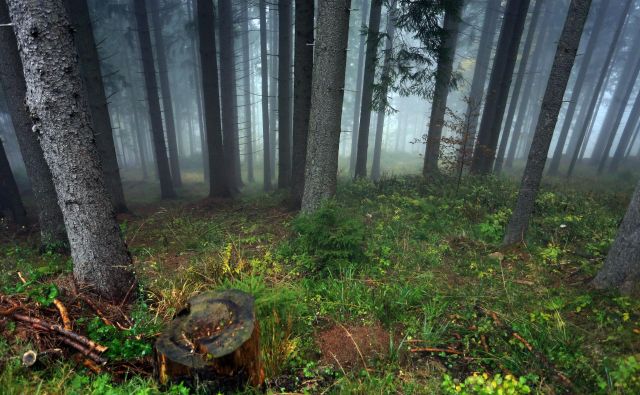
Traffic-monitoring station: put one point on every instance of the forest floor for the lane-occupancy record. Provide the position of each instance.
(395, 287)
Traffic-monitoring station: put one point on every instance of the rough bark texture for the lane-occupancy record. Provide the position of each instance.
(165, 89)
(246, 88)
(627, 134)
(9, 194)
(364, 9)
(556, 85)
(367, 89)
(149, 71)
(622, 268)
(499, 83)
(218, 181)
(443, 81)
(303, 69)
(327, 95)
(52, 232)
(284, 93)
(92, 74)
(264, 75)
(59, 110)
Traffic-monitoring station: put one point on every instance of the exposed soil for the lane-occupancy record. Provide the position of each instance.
(350, 346)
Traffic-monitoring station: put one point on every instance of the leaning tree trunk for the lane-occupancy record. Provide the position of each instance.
(9, 193)
(246, 87)
(149, 71)
(443, 80)
(327, 94)
(92, 74)
(499, 83)
(218, 174)
(364, 9)
(622, 267)
(303, 70)
(59, 110)
(556, 85)
(367, 89)
(264, 74)
(627, 134)
(284, 93)
(52, 232)
(165, 89)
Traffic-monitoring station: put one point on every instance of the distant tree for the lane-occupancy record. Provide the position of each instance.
(364, 16)
(264, 74)
(273, 87)
(327, 95)
(284, 93)
(9, 194)
(246, 88)
(373, 37)
(92, 73)
(303, 72)
(52, 232)
(446, 55)
(627, 134)
(556, 85)
(499, 84)
(59, 109)
(153, 100)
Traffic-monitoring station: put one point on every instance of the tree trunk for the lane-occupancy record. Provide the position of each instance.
(197, 83)
(273, 93)
(364, 6)
(627, 134)
(52, 232)
(149, 72)
(386, 69)
(446, 55)
(9, 194)
(556, 85)
(246, 87)
(284, 93)
(367, 88)
(91, 72)
(303, 71)
(499, 83)
(58, 106)
(218, 163)
(264, 74)
(327, 95)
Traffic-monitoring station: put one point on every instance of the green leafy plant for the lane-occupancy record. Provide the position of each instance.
(483, 384)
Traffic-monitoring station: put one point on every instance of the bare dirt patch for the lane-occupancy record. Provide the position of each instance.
(351, 346)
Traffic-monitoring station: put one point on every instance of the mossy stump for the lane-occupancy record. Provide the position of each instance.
(214, 338)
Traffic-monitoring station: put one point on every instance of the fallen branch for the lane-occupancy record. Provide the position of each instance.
(64, 314)
(436, 349)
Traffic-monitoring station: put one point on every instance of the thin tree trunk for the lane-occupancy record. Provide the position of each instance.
(284, 93)
(149, 71)
(499, 83)
(264, 73)
(197, 83)
(551, 104)
(446, 56)
(627, 134)
(58, 105)
(92, 74)
(9, 193)
(303, 72)
(367, 88)
(273, 93)
(364, 6)
(246, 87)
(327, 95)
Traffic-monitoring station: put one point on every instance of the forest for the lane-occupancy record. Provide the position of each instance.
(319, 197)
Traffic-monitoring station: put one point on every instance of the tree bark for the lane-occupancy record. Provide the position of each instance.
(273, 93)
(556, 85)
(364, 6)
(499, 83)
(446, 55)
(91, 72)
(149, 72)
(52, 232)
(165, 90)
(284, 93)
(58, 106)
(327, 95)
(373, 33)
(246, 87)
(264, 74)
(303, 71)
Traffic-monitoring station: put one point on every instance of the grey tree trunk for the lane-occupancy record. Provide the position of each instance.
(273, 93)
(364, 9)
(443, 80)
(284, 93)
(627, 134)
(52, 232)
(246, 87)
(517, 88)
(58, 105)
(622, 267)
(386, 69)
(91, 72)
(9, 194)
(551, 104)
(303, 72)
(327, 95)
(499, 84)
(218, 163)
(197, 83)
(373, 33)
(264, 74)
(149, 72)
(165, 89)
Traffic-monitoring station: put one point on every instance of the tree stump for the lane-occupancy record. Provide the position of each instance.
(214, 338)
